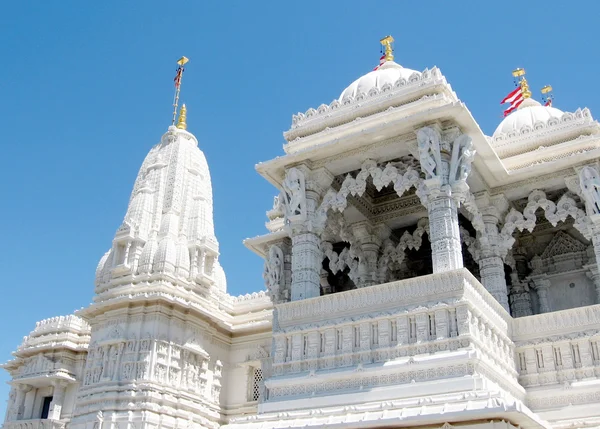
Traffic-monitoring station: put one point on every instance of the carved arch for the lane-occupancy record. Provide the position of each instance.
(402, 176)
(560, 211)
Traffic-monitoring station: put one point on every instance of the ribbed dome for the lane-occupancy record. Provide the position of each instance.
(528, 113)
(389, 73)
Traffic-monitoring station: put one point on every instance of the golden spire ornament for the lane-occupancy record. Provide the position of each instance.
(547, 98)
(178, 77)
(389, 51)
(519, 74)
(181, 124)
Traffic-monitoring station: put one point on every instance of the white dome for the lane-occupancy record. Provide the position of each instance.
(528, 113)
(388, 73)
(220, 278)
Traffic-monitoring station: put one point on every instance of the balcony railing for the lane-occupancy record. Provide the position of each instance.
(448, 318)
(35, 424)
(560, 348)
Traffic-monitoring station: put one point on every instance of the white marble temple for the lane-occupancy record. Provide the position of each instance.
(417, 273)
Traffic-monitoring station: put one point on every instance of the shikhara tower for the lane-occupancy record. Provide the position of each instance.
(419, 273)
(148, 318)
(152, 349)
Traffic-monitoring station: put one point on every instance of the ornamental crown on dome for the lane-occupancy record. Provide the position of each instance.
(387, 72)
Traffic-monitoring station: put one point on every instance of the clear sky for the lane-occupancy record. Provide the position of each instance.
(86, 90)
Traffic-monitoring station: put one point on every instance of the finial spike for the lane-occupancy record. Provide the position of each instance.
(181, 62)
(520, 73)
(389, 51)
(182, 124)
(547, 98)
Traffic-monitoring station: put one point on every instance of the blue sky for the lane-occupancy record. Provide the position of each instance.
(86, 91)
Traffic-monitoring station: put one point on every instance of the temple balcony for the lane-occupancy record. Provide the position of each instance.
(421, 345)
(558, 359)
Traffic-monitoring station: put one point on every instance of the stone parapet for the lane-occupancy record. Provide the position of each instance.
(35, 424)
(442, 327)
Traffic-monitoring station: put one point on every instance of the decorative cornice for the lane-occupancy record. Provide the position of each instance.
(340, 112)
(556, 322)
(508, 144)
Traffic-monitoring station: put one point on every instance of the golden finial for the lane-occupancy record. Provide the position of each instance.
(181, 124)
(389, 51)
(181, 62)
(520, 73)
(547, 98)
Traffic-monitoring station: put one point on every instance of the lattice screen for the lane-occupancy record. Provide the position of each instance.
(257, 379)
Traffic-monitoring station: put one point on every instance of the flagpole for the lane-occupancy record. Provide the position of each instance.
(182, 61)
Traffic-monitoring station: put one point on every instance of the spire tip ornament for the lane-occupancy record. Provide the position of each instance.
(519, 74)
(181, 62)
(182, 124)
(389, 51)
(547, 98)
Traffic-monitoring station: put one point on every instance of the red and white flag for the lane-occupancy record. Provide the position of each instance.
(381, 61)
(515, 98)
(548, 103)
(177, 79)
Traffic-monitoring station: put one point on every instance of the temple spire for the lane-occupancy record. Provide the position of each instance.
(389, 51)
(182, 62)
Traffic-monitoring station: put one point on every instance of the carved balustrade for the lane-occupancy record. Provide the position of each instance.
(35, 424)
(447, 316)
(562, 347)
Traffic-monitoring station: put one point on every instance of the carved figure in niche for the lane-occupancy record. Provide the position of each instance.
(273, 272)
(293, 196)
(589, 180)
(112, 361)
(128, 371)
(428, 141)
(463, 154)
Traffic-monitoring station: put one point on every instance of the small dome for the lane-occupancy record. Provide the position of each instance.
(388, 73)
(220, 278)
(528, 113)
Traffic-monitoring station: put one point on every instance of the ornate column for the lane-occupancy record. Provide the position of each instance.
(446, 163)
(58, 398)
(594, 274)
(301, 195)
(22, 390)
(520, 301)
(369, 239)
(491, 264)
(542, 284)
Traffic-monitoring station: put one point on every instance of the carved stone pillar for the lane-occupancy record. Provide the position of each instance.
(369, 239)
(542, 284)
(446, 163)
(306, 265)
(325, 286)
(491, 269)
(594, 274)
(444, 234)
(302, 191)
(58, 398)
(491, 265)
(520, 301)
(22, 390)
